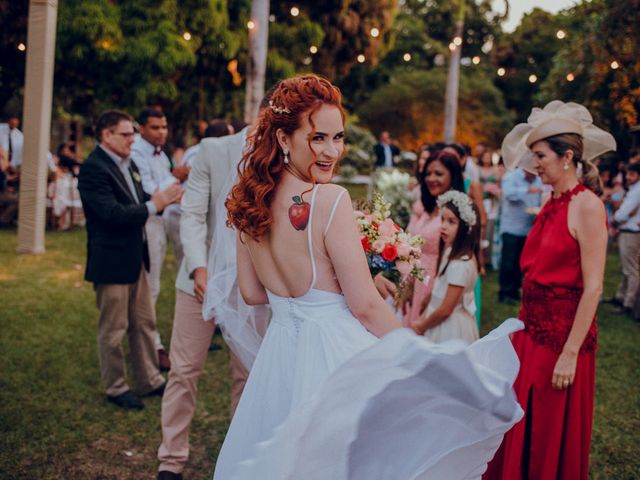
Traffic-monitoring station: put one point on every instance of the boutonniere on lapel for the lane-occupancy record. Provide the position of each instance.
(136, 177)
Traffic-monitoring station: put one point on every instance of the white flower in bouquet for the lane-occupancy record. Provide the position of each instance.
(393, 185)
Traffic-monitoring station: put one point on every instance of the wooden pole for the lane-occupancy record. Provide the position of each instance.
(257, 63)
(41, 42)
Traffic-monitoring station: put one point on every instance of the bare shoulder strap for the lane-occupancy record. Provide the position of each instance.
(333, 211)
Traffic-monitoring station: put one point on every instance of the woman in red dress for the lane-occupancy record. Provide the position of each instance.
(563, 265)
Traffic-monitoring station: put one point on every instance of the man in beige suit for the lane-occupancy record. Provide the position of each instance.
(191, 335)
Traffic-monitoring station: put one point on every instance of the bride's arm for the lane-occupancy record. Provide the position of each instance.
(252, 290)
(350, 264)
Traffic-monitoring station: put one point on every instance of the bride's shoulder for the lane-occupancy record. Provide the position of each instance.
(329, 193)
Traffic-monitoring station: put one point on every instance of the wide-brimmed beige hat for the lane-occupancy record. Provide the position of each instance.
(556, 118)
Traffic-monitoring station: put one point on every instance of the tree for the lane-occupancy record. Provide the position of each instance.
(601, 35)
(411, 108)
(528, 51)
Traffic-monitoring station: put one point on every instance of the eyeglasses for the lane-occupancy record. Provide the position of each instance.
(124, 134)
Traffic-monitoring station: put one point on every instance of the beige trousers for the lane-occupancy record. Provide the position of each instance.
(127, 309)
(190, 340)
(629, 245)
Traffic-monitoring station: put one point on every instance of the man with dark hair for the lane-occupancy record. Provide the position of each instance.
(385, 150)
(157, 172)
(116, 209)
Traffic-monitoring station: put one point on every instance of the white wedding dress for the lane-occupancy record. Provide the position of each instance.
(326, 399)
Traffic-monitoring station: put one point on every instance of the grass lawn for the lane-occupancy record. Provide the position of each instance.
(56, 424)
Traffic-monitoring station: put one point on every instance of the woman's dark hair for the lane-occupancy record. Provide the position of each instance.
(467, 241)
(452, 164)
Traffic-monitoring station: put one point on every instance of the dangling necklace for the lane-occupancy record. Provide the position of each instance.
(300, 211)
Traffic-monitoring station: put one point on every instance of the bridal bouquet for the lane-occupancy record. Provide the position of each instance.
(389, 250)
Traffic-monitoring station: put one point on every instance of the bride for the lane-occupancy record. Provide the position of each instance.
(325, 397)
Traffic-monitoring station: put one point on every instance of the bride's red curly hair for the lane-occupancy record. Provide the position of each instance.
(262, 164)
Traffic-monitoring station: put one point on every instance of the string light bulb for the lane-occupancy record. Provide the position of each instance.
(375, 33)
(452, 46)
(251, 24)
(570, 77)
(501, 72)
(313, 49)
(361, 58)
(407, 57)
(561, 34)
(186, 36)
(457, 41)
(295, 11)
(476, 60)
(533, 78)
(615, 65)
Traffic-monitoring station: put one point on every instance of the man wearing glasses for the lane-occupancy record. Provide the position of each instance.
(116, 209)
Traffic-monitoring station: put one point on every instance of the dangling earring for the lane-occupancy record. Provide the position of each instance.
(566, 165)
(286, 156)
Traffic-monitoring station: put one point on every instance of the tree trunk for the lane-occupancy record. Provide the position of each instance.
(41, 46)
(257, 64)
(453, 82)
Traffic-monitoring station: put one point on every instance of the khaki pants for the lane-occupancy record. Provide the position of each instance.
(629, 245)
(127, 309)
(190, 340)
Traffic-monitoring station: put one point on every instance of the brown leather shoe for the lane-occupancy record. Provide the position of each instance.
(163, 360)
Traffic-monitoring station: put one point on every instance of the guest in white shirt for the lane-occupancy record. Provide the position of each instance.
(12, 141)
(627, 219)
(157, 173)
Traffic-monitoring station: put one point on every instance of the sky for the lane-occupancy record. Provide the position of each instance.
(519, 7)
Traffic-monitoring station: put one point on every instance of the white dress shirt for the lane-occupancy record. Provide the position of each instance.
(155, 170)
(124, 165)
(628, 215)
(14, 137)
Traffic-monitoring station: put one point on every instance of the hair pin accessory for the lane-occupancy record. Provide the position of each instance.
(278, 109)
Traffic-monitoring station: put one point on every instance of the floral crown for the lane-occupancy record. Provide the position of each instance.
(278, 109)
(463, 204)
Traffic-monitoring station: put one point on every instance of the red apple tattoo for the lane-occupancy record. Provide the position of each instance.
(299, 213)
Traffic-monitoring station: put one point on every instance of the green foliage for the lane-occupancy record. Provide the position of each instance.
(360, 143)
(411, 108)
(599, 33)
(528, 50)
(56, 424)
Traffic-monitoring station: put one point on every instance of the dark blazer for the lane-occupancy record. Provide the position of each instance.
(379, 151)
(116, 243)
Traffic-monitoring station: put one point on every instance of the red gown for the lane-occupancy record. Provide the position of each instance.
(552, 440)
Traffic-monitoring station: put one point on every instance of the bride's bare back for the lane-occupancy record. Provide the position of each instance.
(282, 259)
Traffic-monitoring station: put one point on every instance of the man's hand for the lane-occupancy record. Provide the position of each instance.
(386, 288)
(200, 283)
(181, 172)
(162, 199)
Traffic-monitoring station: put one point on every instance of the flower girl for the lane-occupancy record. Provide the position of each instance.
(451, 310)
